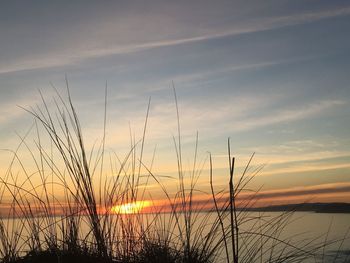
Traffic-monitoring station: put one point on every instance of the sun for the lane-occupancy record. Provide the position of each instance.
(130, 208)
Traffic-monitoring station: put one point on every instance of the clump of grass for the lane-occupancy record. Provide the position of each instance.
(60, 210)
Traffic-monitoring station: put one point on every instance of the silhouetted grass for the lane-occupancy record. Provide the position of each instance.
(60, 210)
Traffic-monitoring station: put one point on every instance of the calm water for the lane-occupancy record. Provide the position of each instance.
(305, 230)
(299, 229)
(319, 228)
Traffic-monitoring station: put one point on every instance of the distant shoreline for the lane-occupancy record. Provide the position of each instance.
(304, 207)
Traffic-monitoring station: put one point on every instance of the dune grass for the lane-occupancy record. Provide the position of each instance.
(59, 210)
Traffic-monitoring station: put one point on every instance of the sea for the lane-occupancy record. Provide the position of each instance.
(263, 236)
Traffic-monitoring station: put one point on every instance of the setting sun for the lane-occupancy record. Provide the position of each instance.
(130, 208)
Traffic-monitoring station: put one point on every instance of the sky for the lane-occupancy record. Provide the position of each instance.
(273, 76)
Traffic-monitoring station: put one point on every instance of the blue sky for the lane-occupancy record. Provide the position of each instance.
(271, 75)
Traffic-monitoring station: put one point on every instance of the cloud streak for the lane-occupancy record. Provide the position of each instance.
(288, 115)
(306, 191)
(65, 58)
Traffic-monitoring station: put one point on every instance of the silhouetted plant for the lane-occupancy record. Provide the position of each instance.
(79, 224)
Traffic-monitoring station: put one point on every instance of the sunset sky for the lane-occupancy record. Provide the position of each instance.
(274, 76)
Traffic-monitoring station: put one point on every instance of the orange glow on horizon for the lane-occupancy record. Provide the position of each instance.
(130, 208)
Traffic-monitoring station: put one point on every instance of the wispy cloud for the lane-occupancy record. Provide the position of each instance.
(231, 115)
(258, 25)
(235, 119)
(306, 168)
(280, 116)
(304, 191)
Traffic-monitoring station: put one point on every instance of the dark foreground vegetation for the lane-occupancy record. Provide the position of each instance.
(58, 207)
(61, 256)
